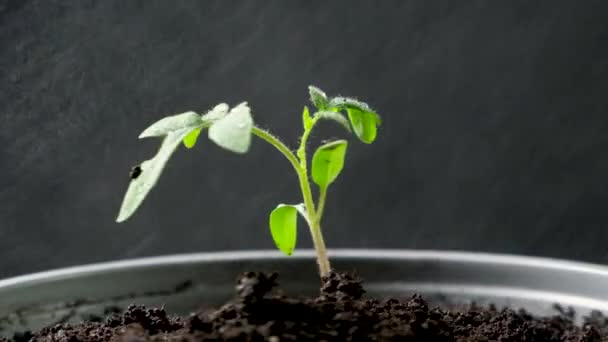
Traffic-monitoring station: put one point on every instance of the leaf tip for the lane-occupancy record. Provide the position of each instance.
(122, 217)
(221, 107)
(144, 134)
(244, 105)
(317, 97)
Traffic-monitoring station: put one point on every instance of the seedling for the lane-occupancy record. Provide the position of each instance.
(232, 129)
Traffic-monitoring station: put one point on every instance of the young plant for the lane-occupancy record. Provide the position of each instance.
(232, 129)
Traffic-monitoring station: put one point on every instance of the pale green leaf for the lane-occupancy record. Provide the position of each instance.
(172, 123)
(218, 112)
(150, 171)
(334, 116)
(327, 162)
(233, 132)
(191, 138)
(318, 97)
(283, 227)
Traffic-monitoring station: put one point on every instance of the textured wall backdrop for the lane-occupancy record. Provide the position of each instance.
(495, 135)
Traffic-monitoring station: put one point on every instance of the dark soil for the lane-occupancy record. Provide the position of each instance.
(341, 312)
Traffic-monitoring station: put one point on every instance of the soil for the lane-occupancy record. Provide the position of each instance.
(341, 312)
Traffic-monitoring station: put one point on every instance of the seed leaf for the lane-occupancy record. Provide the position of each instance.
(327, 162)
(172, 123)
(318, 97)
(148, 173)
(233, 132)
(283, 226)
(365, 121)
(335, 116)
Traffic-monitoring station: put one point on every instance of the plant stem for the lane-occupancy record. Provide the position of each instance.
(302, 149)
(314, 216)
(278, 144)
(319, 243)
(317, 236)
(321, 204)
(300, 167)
(314, 226)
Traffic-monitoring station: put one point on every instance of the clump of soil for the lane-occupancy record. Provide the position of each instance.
(341, 312)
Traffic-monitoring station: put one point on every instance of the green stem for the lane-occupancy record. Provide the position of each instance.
(302, 149)
(317, 236)
(314, 217)
(278, 144)
(300, 168)
(321, 204)
(304, 184)
(319, 243)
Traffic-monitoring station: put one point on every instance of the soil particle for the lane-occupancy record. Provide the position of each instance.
(341, 312)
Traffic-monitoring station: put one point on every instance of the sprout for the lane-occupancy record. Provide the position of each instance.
(232, 129)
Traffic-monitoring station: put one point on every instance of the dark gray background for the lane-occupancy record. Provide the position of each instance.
(495, 135)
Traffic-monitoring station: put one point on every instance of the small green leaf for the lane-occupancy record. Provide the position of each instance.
(191, 138)
(335, 116)
(306, 119)
(148, 173)
(364, 120)
(327, 162)
(172, 123)
(283, 227)
(365, 124)
(318, 97)
(233, 132)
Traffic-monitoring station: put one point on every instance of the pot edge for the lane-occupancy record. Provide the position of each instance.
(346, 253)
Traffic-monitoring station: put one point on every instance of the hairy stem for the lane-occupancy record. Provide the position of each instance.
(317, 236)
(317, 239)
(321, 204)
(278, 144)
(314, 221)
(314, 226)
(302, 149)
(301, 170)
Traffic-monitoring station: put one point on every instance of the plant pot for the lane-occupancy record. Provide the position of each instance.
(183, 283)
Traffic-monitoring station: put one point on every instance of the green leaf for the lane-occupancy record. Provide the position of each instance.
(327, 162)
(148, 173)
(283, 227)
(365, 124)
(191, 138)
(335, 116)
(318, 97)
(306, 119)
(172, 123)
(233, 132)
(365, 121)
